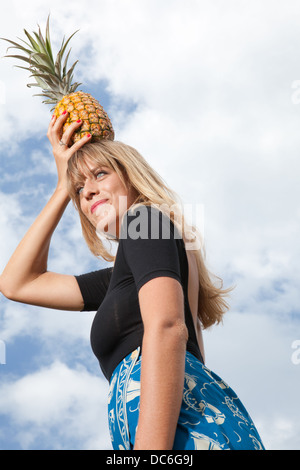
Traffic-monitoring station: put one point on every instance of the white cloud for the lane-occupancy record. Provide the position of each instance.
(252, 352)
(212, 89)
(57, 405)
(18, 319)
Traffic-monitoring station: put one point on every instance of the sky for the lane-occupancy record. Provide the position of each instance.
(209, 93)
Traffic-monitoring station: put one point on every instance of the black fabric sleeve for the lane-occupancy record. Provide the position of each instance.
(93, 287)
(150, 246)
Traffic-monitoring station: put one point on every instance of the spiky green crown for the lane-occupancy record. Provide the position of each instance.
(53, 78)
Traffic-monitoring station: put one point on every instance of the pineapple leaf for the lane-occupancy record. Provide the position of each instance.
(59, 58)
(74, 86)
(57, 66)
(48, 101)
(63, 46)
(21, 58)
(44, 95)
(30, 85)
(17, 46)
(69, 74)
(53, 96)
(65, 64)
(40, 41)
(34, 44)
(41, 67)
(53, 77)
(48, 42)
(43, 59)
(28, 45)
(47, 78)
(41, 83)
(43, 44)
(24, 68)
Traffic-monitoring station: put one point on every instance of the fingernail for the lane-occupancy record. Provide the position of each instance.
(88, 136)
(65, 112)
(53, 116)
(79, 120)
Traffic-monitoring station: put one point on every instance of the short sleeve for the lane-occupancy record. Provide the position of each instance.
(93, 287)
(150, 245)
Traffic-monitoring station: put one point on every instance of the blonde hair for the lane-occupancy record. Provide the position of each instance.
(135, 171)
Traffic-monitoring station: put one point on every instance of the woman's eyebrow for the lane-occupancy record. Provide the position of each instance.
(97, 168)
(86, 171)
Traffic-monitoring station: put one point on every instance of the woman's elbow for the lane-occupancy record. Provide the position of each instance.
(175, 332)
(7, 290)
(7, 293)
(180, 331)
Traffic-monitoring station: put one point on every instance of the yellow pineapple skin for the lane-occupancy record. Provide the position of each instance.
(95, 121)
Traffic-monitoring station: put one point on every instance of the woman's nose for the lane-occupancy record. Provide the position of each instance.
(90, 188)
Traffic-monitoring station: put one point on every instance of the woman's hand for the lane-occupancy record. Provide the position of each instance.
(60, 144)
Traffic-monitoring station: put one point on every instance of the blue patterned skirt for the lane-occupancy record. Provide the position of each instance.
(211, 418)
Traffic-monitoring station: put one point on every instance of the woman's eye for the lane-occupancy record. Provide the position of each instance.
(98, 174)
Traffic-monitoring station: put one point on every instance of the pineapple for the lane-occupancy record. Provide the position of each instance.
(56, 83)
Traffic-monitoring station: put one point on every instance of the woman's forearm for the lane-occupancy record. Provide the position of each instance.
(162, 379)
(29, 260)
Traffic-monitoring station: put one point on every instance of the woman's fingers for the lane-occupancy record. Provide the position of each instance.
(55, 128)
(66, 137)
(56, 135)
(80, 143)
(50, 127)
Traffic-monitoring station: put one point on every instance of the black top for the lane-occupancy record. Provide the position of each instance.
(150, 246)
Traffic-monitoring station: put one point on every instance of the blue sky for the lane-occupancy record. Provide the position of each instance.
(207, 95)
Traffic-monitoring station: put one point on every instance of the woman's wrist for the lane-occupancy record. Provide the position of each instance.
(61, 188)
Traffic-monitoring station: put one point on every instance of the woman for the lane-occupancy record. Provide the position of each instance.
(151, 304)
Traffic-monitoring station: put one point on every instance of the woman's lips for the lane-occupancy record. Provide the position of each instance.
(96, 204)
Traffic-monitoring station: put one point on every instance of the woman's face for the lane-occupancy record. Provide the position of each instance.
(104, 198)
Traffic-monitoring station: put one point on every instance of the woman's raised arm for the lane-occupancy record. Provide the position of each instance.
(25, 278)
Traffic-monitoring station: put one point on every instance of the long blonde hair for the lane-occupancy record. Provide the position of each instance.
(135, 171)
